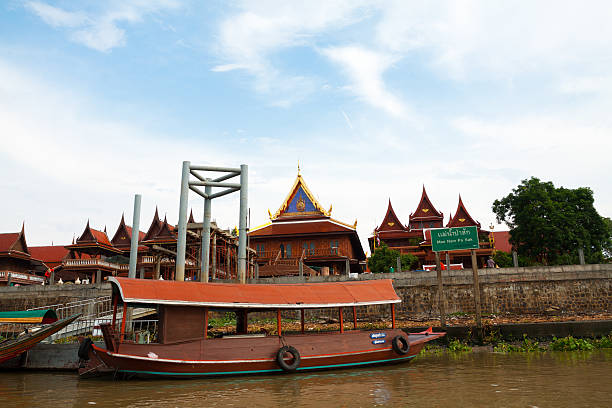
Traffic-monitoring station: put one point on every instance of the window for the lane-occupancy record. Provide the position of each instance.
(260, 248)
(288, 251)
(334, 247)
(312, 248)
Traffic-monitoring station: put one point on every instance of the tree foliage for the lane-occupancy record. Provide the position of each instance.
(548, 224)
(383, 258)
(503, 259)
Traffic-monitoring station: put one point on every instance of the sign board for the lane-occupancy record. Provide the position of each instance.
(454, 239)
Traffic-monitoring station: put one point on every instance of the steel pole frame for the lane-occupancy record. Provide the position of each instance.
(182, 224)
(242, 223)
(134, 241)
(208, 184)
(204, 261)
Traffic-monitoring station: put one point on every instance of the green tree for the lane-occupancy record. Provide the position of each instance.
(503, 259)
(548, 225)
(385, 258)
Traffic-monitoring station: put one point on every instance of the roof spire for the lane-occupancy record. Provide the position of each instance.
(298, 167)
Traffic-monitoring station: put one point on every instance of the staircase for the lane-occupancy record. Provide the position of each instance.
(285, 268)
(93, 313)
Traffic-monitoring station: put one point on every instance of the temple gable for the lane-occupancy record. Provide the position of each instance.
(462, 218)
(391, 221)
(300, 203)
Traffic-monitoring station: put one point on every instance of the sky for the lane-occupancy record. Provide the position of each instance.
(103, 100)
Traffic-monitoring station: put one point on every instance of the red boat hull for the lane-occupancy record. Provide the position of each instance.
(254, 355)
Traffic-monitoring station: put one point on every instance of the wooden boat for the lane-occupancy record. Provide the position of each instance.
(34, 326)
(183, 347)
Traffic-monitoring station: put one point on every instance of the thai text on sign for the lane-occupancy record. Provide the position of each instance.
(454, 239)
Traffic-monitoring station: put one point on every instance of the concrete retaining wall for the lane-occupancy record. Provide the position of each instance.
(573, 289)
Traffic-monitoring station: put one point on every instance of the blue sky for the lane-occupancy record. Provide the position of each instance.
(101, 100)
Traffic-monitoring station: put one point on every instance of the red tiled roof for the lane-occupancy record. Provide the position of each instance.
(51, 253)
(391, 221)
(425, 209)
(297, 228)
(140, 233)
(100, 237)
(288, 296)
(502, 241)
(7, 240)
(462, 217)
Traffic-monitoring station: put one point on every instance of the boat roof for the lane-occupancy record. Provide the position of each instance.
(29, 316)
(256, 296)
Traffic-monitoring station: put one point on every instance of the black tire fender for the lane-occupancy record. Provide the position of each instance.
(84, 348)
(280, 358)
(400, 345)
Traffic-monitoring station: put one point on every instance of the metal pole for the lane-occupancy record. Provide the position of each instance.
(242, 223)
(214, 256)
(182, 224)
(476, 289)
(440, 291)
(134, 242)
(581, 256)
(206, 236)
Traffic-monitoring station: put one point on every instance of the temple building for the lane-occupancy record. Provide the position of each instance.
(303, 238)
(17, 265)
(93, 257)
(414, 238)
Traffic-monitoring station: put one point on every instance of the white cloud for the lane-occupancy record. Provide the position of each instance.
(247, 39)
(56, 17)
(365, 68)
(100, 29)
(469, 39)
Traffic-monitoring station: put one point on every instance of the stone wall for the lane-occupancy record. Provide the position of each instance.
(573, 289)
(26, 297)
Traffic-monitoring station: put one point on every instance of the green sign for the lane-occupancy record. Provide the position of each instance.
(454, 239)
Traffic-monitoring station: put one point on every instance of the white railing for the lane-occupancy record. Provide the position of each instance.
(21, 277)
(94, 262)
(89, 308)
(139, 331)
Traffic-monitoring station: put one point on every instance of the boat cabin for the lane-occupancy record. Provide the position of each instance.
(183, 308)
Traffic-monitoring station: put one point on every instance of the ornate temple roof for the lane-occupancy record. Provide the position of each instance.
(391, 221)
(300, 203)
(123, 236)
(153, 228)
(14, 242)
(93, 241)
(164, 233)
(462, 218)
(425, 209)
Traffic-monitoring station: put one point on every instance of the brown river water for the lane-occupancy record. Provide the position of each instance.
(563, 379)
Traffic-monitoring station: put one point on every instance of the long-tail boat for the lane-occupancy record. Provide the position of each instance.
(183, 347)
(22, 330)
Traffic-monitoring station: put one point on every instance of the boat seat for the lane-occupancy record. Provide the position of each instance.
(240, 336)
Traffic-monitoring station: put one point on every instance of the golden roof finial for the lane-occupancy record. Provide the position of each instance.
(298, 167)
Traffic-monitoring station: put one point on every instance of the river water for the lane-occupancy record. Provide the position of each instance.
(563, 379)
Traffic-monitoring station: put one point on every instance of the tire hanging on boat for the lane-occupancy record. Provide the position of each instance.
(84, 348)
(280, 358)
(400, 345)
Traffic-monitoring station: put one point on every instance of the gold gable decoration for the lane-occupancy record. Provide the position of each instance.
(425, 210)
(299, 182)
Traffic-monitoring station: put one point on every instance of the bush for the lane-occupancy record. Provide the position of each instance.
(503, 259)
(385, 258)
(571, 344)
(457, 346)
